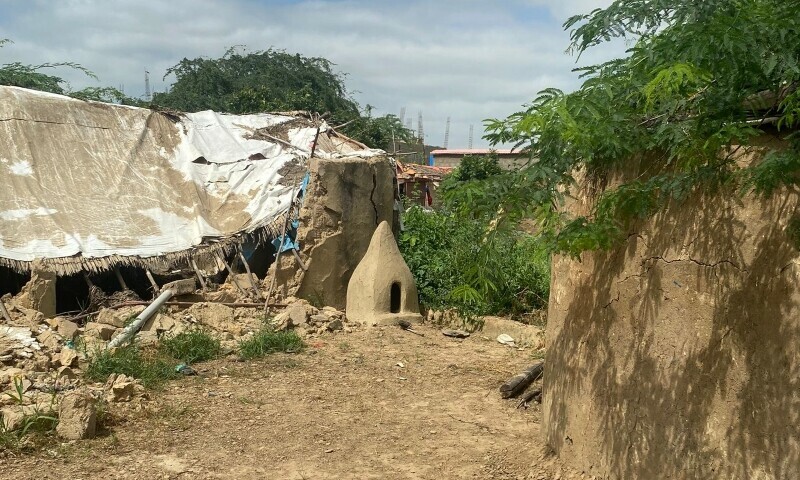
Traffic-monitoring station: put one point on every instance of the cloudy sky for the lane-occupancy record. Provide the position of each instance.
(465, 59)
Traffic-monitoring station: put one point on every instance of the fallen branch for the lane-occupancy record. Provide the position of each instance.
(518, 383)
(535, 394)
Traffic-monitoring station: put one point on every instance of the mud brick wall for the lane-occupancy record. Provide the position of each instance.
(677, 354)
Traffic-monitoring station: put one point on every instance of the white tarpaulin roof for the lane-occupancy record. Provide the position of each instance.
(87, 185)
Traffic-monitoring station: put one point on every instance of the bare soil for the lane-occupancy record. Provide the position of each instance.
(378, 403)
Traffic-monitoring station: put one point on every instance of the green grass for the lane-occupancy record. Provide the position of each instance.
(192, 346)
(267, 341)
(152, 367)
(35, 428)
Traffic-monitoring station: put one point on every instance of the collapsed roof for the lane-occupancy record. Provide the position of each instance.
(88, 185)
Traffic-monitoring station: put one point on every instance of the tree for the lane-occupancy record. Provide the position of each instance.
(700, 81)
(17, 74)
(273, 81)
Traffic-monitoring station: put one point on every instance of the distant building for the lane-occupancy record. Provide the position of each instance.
(418, 183)
(452, 158)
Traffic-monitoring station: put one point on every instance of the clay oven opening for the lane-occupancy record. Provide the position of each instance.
(394, 303)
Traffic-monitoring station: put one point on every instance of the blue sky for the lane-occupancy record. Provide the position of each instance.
(466, 59)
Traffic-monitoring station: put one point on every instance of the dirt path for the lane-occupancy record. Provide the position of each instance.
(343, 409)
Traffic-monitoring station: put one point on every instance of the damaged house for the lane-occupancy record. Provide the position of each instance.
(105, 203)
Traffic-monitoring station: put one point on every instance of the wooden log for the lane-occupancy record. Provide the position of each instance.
(518, 383)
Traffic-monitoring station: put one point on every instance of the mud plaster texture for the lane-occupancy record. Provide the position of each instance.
(345, 201)
(677, 355)
(370, 289)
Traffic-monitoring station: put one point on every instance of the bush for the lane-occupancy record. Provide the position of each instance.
(192, 346)
(267, 341)
(151, 367)
(467, 264)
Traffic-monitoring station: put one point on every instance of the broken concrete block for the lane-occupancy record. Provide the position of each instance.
(68, 357)
(99, 330)
(335, 325)
(219, 317)
(282, 321)
(382, 290)
(50, 339)
(12, 418)
(67, 329)
(40, 292)
(119, 317)
(298, 313)
(122, 388)
(77, 416)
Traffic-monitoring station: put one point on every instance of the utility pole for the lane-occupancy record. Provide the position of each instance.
(447, 133)
(421, 134)
(402, 115)
(470, 137)
(147, 94)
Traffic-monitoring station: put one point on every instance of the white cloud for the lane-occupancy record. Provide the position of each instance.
(465, 59)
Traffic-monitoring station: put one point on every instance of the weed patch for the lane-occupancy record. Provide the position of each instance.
(151, 367)
(267, 341)
(191, 346)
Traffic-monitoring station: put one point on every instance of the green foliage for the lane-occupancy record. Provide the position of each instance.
(273, 81)
(471, 265)
(260, 81)
(698, 84)
(150, 366)
(475, 167)
(195, 345)
(107, 95)
(267, 341)
(17, 74)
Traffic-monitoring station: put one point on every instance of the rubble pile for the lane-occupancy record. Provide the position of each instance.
(42, 360)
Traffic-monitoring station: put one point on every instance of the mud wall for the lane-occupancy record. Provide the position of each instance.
(346, 200)
(677, 355)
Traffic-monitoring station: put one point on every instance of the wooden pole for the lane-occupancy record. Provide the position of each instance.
(88, 280)
(153, 283)
(4, 311)
(121, 280)
(299, 260)
(230, 272)
(280, 249)
(249, 274)
(199, 275)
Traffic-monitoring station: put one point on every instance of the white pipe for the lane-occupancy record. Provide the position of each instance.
(140, 320)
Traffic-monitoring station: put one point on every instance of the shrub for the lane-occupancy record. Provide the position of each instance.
(467, 264)
(267, 340)
(194, 345)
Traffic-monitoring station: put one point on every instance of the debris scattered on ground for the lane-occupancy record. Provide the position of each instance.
(406, 325)
(43, 360)
(455, 333)
(506, 339)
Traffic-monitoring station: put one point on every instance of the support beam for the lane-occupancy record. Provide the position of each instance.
(199, 275)
(230, 272)
(121, 280)
(249, 273)
(152, 281)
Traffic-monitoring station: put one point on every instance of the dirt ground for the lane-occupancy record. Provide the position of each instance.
(378, 403)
